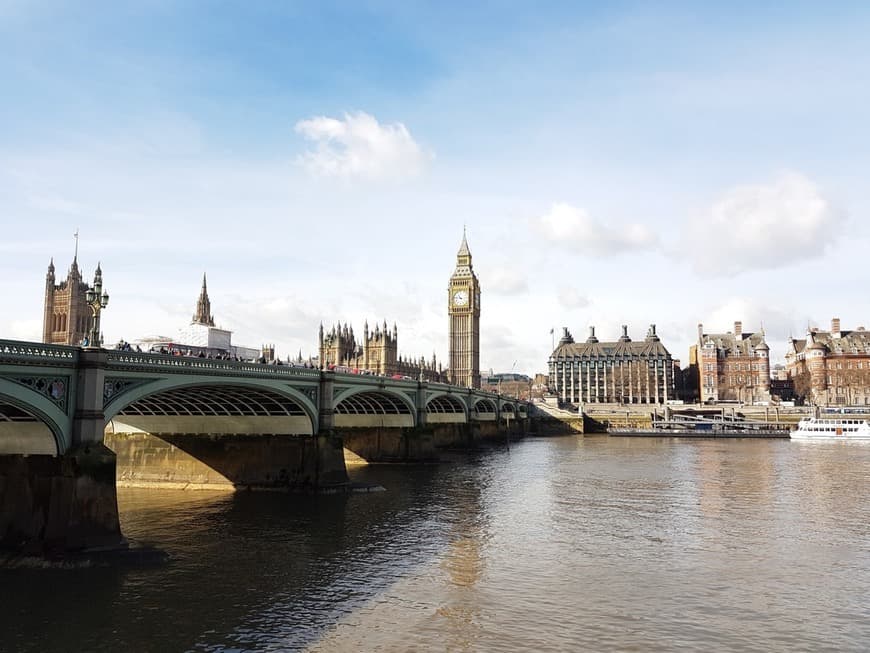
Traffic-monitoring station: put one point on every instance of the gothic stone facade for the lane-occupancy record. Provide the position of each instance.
(66, 316)
(612, 372)
(831, 368)
(378, 353)
(733, 366)
(463, 309)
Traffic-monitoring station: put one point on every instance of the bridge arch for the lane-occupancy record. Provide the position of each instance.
(446, 407)
(31, 424)
(231, 398)
(484, 409)
(374, 406)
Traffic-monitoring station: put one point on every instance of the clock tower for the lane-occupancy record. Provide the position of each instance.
(463, 308)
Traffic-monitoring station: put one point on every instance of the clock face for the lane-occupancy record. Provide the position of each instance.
(460, 298)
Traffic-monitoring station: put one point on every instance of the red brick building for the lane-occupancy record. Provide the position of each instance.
(732, 366)
(831, 368)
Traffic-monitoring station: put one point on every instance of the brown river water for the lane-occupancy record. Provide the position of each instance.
(557, 544)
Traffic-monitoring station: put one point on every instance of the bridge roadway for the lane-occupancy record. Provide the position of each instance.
(75, 423)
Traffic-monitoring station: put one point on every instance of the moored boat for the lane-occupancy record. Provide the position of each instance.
(828, 428)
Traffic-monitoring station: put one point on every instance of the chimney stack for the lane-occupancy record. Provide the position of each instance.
(738, 330)
(835, 327)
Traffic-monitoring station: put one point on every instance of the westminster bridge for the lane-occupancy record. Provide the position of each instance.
(77, 422)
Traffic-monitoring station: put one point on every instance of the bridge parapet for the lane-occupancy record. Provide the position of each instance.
(137, 361)
(37, 353)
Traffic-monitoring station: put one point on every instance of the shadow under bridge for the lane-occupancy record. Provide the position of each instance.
(219, 437)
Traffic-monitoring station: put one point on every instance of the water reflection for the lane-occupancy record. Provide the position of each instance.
(557, 544)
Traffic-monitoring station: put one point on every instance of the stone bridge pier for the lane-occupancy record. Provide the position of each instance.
(51, 503)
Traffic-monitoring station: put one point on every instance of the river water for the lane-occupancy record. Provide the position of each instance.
(557, 544)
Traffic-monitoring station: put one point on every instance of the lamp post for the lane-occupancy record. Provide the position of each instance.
(97, 299)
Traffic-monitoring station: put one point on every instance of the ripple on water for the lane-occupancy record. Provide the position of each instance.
(558, 544)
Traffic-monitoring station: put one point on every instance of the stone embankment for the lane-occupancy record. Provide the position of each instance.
(549, 420)
(620, 419)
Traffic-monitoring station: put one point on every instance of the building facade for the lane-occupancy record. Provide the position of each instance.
(463, 309)
(66, 316)
(732, 366)
(831, 368)
(623, 371)
(378, 353)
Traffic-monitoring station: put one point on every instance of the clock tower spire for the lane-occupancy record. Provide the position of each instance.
(463, 309)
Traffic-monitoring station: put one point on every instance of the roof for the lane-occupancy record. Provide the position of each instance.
(651, 347)
(849, 342)
(741, 345)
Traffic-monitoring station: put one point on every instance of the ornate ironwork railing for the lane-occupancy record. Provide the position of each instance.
(192, 365)
(37, 353)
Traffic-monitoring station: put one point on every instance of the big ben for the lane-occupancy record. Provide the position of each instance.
(463, 307)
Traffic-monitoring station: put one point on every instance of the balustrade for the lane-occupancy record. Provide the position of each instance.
(142, 361)
(15, 351)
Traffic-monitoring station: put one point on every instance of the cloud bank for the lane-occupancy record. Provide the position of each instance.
(574, 228)
(763, 226)
(359, 147)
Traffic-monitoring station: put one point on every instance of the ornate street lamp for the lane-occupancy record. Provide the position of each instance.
(97, 299)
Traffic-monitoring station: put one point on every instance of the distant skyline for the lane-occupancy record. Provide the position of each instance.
(614, 164)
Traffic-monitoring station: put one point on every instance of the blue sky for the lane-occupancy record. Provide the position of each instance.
(614, 164)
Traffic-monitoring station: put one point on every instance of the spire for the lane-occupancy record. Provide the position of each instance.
(463, 259)
(76, 255)
(51, 267)
(463, 248)
(203, 307)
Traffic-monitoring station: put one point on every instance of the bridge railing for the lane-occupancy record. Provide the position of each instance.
(34, 353)
(190, 364)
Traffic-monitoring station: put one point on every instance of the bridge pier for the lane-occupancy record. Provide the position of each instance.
(382, 444)
(54, 504)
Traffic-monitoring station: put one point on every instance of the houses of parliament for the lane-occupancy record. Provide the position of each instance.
(67, 320)
(378, 351)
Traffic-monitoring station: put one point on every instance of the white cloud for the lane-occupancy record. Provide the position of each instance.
(572, 298)
(573, 227)
(506, 281)
(755, 315)
(764, 227)
(358, 146)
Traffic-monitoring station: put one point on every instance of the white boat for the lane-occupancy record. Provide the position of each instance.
(832, 428)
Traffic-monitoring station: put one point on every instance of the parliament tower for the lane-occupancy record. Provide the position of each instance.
(66, 316)
(463, 308)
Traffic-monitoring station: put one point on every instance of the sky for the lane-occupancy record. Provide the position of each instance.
(612, 163)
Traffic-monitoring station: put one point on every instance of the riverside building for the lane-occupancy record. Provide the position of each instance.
(623, 371)
(732, 366)
(831, 368)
